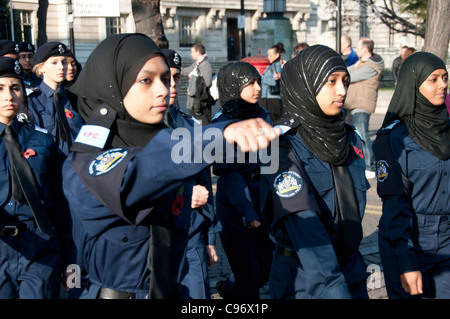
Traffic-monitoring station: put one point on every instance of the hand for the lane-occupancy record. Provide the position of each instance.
(64, 277)
(276, 76)
(412, 282)
(254, 223)
(212, 255)
(251, 134)
(199, 196)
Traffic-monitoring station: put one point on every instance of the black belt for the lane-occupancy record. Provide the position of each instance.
(12, 230)
(286, 252)
(108, 293)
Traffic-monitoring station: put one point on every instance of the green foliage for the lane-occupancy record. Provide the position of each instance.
(417, 7)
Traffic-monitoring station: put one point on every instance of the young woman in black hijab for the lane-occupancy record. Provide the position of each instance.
(412, 151)
(243, 236)
(73, 71)
(123, 180)
(316, 200)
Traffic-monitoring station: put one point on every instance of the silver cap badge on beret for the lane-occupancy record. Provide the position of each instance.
(17, 67)
(176, 59)
(61, 49)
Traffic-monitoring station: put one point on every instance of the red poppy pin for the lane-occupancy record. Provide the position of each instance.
(69, 114)
(29, 152)
(178, 203)
(358, 151)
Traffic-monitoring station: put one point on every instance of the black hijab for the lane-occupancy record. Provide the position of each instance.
(427, 124)
(231, 79)
(301, 80)
(108, 74)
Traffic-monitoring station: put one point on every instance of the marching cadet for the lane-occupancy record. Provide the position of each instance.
(200, 253)
(122, 182)
(49, 106)
(35, 244)
(316, 200)
(26, 53)
(9, 48)
(244, 235)
(413, 163)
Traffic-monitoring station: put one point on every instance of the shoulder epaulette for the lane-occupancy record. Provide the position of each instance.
(190, 117)
(387, 129)
(218, 114)
(284, 128)
(353, 127)
(32, 91)
(22, 118)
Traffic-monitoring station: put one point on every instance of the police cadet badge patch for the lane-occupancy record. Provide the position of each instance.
(288, 184)
(382, 170)
(106, 161)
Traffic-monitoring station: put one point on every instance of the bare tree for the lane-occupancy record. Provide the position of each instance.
(437, 35)
(42, 22)
(434, 28)
(390, 15)
(147, 18)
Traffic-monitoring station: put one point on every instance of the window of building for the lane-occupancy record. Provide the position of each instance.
(115, 25)
(188, 32)
(22, 26)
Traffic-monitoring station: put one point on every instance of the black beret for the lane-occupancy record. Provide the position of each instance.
(10, 68)
(49, 49)
(8, 46)
(26, 47)
(173, 58)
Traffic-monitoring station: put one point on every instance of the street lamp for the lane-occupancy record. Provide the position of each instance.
(243, 31)
(338, 25)
(3, 32)
(70, 21)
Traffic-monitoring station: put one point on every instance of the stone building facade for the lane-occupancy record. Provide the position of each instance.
(215, 23)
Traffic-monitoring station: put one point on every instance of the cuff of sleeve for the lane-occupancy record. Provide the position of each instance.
(407, 263)
(212, 239)
(249, 215)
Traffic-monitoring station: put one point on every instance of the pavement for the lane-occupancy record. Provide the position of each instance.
(369, 244)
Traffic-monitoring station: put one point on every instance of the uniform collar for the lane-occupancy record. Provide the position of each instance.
(15, 125)
(48, 91)
(2, 129)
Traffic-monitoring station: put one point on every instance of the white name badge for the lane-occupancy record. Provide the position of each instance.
(93, 135)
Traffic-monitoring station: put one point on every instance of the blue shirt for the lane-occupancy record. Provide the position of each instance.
(44, 114)
(419, 195)
(43, 158)
(352, 58)
(111, 229)
(236, 187)
(299, 202)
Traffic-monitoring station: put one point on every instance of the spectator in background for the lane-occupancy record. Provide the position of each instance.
(200, 75)
(298, 47)
(404, 53)
(348, 54)
(270, 83)
(162, 42)
(362, 95)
